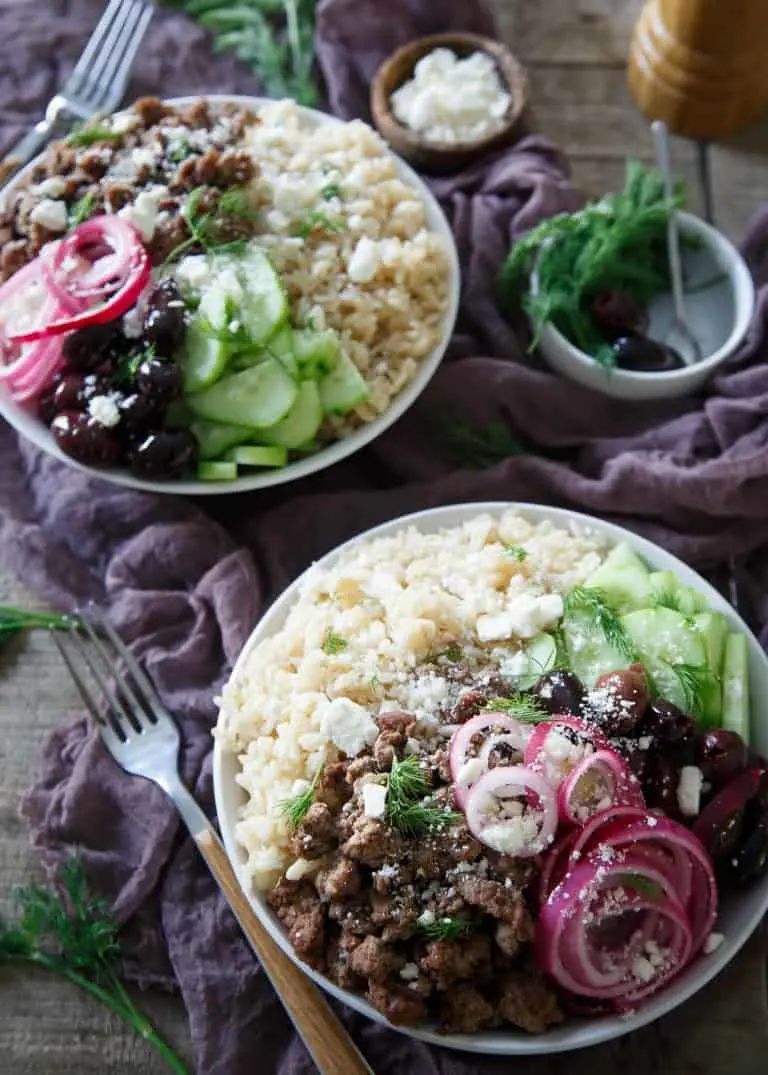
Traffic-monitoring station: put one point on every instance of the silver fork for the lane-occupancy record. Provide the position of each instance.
(96, 84)
(143, 739)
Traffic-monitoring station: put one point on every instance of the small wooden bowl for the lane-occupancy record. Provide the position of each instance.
(439, 156)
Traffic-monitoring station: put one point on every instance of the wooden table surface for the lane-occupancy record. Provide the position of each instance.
(575, 52)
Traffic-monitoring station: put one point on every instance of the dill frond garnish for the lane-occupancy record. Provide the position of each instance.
(407, 806)
(644, 886)
(333, 644)
(667, 598)
(695, 681)
(294, 810)
(333, 190)
(523, 707)
(71, 933)
(315, 220)
(447, 929)
(82, 137)
(600, 617)
(517, 552)
(210, 229)
(81, 210)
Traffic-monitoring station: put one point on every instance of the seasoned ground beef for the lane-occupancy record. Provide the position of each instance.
(433, 925)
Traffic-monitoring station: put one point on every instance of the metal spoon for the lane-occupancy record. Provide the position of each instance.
(680, 335)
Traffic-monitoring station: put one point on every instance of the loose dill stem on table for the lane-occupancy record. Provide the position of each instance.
(71, 933)
(13, 620)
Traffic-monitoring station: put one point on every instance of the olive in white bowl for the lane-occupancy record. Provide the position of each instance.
(719, 303)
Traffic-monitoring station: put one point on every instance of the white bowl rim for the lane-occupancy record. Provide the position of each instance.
(576, 1033)
(35, 431)
(745, 298)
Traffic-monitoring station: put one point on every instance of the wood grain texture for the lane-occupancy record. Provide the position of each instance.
(576, 51)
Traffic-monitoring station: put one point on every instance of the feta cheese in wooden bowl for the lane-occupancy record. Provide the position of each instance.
(442, 100)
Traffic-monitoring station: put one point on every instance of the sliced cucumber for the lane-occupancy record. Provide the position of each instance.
(214, 438)
(664, 638)
(668, 591)
(736, 686)
(203, 357)
(216, 472)
(589, 653)
(281, 347)
(713, 628)
(300, 423)
(623, 578)
(248, 455)
(541, 654)
(343, 388)
(258, 396)
(316, 353)
(246, 302)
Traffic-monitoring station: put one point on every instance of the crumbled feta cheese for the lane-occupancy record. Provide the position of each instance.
(513, 835)
(50, 214)
(234, 326)
(301, 868)
(426, 918)
(470, 772)
(689, 790)
(643, 969)
(410, 972)
(124, 123)
(143, 157)
(104, 410)
(133, 324)
(52, 187)
(194, 271)
(452, 100)
(374, 800)
(348, 725)
(644, 742)
(712, 943)
(524, 617)
(365, 260)
(143, 212)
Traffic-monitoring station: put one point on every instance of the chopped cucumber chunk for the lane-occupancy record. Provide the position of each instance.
(664, 638)
(623, 578)
(216, 472)
(343, 388)
(736, 685)
(246, 302)
(316, 353)
(589, 652)
(541, 655)
(300, 424)
(668, 591)
(248, 455)
(214, 438)
(256, 397)
(203, 357)
(281, 347)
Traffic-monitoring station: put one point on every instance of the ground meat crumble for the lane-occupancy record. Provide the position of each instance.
(363, 916)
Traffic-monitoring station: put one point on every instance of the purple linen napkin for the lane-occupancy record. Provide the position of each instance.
(185, 582)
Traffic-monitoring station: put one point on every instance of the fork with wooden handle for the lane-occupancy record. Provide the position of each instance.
(143, 739)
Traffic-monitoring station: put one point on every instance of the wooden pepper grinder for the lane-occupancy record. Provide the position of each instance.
(701, 65)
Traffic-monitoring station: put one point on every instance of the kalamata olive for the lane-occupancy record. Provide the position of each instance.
(643, 355)
(137, 412)
(618, 314)
(619, 699)
(164, 454)
(721, 755)
(159, 380)
(666, 723)
(85, 439)
(659, 784)
(164, 319)
(85, 348)
(559, 692)
(734, 827)
(69, 392)
(45, 408)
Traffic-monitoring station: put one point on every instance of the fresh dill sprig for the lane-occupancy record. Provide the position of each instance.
(316, 220)
(295, 809)
(128, 366)
(89, 136)
(695, 681)
(333, 644)
(523, 707)
(274, 37)
(517, 552)
(13, 620)
(333, 190)
(600, 617)
(667, 598)
(616, 243)
(474, 447)
(181, 150)
(208, 228)
(447, 929)
(407, 806)
(81, 210)
(453, 652)
(71, 933)
(644, 886)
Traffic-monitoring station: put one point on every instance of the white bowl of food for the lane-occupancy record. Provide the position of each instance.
(310, 284)
(406, 807)
(719, 303)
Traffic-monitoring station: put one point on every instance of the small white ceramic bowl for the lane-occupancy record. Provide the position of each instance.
(719, 317)
(739, 915)
(30, 426)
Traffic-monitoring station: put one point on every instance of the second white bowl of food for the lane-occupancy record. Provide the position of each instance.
(356, 241)
(718, 315)
(429, 618)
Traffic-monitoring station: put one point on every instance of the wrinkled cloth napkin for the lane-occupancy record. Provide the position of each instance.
(185, 582)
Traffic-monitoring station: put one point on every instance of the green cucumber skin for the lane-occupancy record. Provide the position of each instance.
(736, 704)
(300, 424)
(257, 397)
(220, 471)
